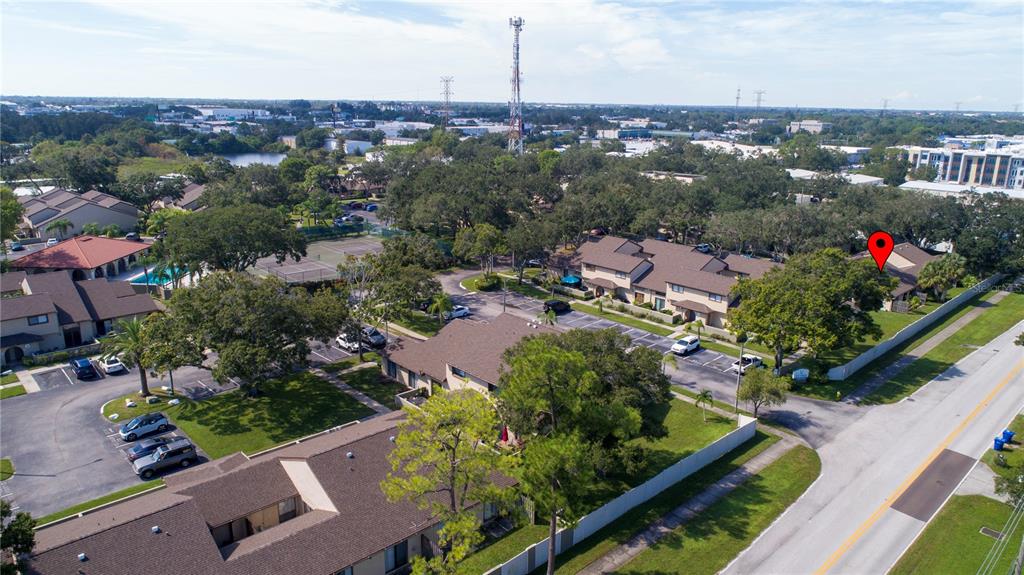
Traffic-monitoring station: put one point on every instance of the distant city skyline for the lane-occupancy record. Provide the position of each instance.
(915, 55)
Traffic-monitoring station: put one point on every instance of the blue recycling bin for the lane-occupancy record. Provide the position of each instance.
(1008, 435)
(998, 444)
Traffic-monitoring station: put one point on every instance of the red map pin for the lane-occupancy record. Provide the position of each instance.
(880, 245)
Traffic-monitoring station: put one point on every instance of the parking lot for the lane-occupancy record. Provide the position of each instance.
(709, 359)
(123, 446)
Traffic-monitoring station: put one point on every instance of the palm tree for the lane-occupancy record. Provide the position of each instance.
(61, 226)
(548, 317)
(91, 229)
(440, 304)
(703, 401)
(697, 324)
(129, 344)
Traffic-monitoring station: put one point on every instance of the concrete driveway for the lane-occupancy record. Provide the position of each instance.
(62, 447)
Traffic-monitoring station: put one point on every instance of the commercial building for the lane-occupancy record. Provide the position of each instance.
(852, 179)
(92, 207)
(1000, 167)
(50, 311)
(809, 126)
(86, 257)
(315, 507)
(666, 275)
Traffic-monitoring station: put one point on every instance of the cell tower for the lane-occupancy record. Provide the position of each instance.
(515, 105)
(759, 94)
(736, 111)
(446, 100)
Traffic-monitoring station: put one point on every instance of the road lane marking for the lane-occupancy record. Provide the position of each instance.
(870, 521)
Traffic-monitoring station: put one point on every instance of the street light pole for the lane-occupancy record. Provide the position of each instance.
(504, 293)
(739, 375)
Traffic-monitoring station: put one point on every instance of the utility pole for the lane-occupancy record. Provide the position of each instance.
(759, 94)
(515, 103)
(446, 100)
(736, 112)
(739, 378)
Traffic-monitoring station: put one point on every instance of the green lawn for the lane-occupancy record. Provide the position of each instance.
(75, 509)
(6, 468)
(349, 362)
(952, 542)
(9, 378)
(13, 391)
(1013, 454)
(709, 542)
(420, 323)
(151, 166)
(472, 283)
(993, 321)
(623, 319)
(687, 432)
(286, 409)
(373, 383)
(825, 389)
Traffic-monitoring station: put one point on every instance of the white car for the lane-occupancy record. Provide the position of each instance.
(749, 361)
(51, 242)
(112, 365)
(345, 344)
(457, 311)
(686, 345)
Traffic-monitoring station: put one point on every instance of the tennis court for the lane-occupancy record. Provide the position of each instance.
(321, 261)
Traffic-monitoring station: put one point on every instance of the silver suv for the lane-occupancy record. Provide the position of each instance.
(179, 451)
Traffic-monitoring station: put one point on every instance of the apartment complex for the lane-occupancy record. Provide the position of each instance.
(50, 311)
(905, 264)
(664, 274)
(87, 257)
(315, 507)
(993, 167)
(463, 355)
(92, 207)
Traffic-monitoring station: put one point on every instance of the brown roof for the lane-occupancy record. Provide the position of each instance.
(473, 347)
(119, 539)
(26, 306)
(60, 202)
(692, 306)
(601, 282)
(108, 299)
(11, 281)
(613, 253)
(748, 266)
(76, 302)
(80, 252)
(907, 275)
(190, 194)
(61, 289)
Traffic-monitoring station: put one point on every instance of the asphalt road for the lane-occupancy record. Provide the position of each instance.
(885, 475)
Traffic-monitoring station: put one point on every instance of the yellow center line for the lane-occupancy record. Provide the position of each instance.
(852, 539)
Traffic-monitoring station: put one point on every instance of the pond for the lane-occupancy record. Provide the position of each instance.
(254, 158)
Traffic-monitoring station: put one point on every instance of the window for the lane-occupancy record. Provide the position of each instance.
(677, 288)
(286, 509)
(458, 372)
(659, 303)
(345, 571)
(620, 275)
(714, 297)
(396, 556)
(38, 319)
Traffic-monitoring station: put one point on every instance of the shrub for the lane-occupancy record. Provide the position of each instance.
(915, 302)
(488, 283)
(666, 311)
(620, 307)
(969, 281)
(677, 319)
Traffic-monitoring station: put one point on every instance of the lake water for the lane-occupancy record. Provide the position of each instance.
(255, 158)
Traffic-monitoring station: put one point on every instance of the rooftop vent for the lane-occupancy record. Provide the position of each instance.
(82, 557)
(350, 455)
(155, 529)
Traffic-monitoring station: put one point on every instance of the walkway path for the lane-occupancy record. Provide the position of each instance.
(622, 554)
(931, 343)
(355, 393)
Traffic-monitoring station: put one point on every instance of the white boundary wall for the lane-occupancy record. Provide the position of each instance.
(844, 371)
(536, 555)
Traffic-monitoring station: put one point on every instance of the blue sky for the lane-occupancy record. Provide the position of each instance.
(808, 54)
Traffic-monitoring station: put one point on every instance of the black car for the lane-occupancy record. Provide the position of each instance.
(356, 206)
(146, 447)
(83, 369)
(373, 337)
(556, 305)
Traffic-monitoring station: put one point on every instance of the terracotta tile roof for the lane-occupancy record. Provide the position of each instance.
(80, 252)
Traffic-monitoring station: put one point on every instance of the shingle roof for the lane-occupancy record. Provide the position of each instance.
(57, 203)
(65, 296)
(611, 252)
(26, 306)
(907, 276)
(11, 281)
(107, 299)
(76, 302)
(80, 252)
(242, 491)
(190, 194)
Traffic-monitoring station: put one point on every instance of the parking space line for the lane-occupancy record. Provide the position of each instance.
(313, 351)
(67, 376)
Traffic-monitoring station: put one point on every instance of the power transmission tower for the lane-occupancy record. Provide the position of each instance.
(958, 106)
(446, 100)
(736, 112)
(1016, 108)
(759, 94)
(515, 104)
(885, 106)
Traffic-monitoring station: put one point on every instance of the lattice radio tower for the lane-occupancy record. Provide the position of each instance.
(759, 95)
(736, 110)
(515, 104)
(446, 100)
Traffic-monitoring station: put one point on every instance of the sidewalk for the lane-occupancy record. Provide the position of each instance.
(354, 393)
(931, 343)
(622, 554)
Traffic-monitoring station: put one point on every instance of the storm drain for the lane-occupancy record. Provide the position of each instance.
(997, 535)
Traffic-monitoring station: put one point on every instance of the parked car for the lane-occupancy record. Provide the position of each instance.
(534, 264)
(83, 368)
(144, 447)
(373, 338)
(346, 344)
(52, 242)
(371, 207)
(356, 206)
(557, 305)
(17, 247)
(686, 345)
(133, 236)
(357, 218)
(112, 365)
(144, 425)
(457, 312)
(748, 361)
(179, 452)
(703, 248)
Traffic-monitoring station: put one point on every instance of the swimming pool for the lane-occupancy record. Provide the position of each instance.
(158, 280)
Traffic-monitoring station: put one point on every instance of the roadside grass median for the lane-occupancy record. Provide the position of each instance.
(707, 543)
(1013, 453)
(992, 322)
(87, 505)
(623, 319)
(288, 408)
(9, 378)
(12, 391)
(6, 468)
(953, 543)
